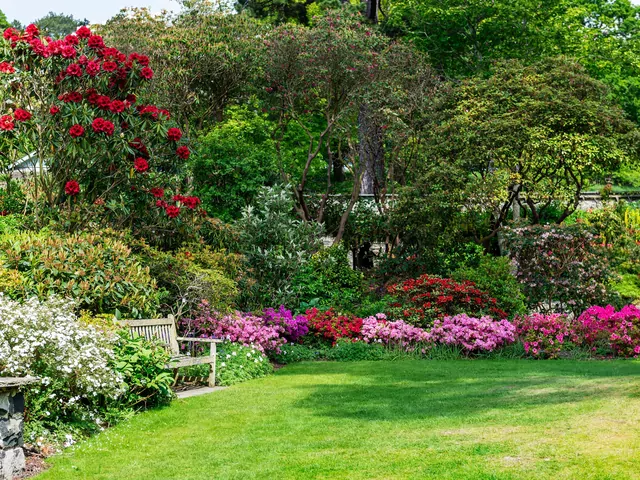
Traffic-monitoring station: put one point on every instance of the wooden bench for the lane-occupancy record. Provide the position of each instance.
(164, 330)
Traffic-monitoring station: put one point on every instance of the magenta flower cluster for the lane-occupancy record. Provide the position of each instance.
(294, 327)
(473, 334)
(621, 329)
(544, 335)
(399, 334)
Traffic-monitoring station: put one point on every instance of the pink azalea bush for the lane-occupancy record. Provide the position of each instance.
(544, 335)
(473, 334)
(621, 329)
(379, 329)
(237, 327)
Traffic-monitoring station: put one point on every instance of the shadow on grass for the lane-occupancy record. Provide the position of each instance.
(429, 389)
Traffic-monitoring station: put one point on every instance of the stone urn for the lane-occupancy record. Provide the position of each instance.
(11, 424)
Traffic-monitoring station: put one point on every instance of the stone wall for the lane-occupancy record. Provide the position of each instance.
(11, 426)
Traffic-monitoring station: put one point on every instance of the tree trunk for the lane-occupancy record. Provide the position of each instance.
(371, 152)
(372, 10)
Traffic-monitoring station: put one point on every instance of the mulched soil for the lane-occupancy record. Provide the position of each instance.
(35, 465)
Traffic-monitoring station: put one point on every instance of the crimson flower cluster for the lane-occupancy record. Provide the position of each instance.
(422, 300)
(333, 326)
(83, 60)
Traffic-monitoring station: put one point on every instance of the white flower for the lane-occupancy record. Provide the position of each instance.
(223, 364)
(233, 353)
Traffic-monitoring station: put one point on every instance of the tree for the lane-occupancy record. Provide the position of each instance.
(531, 135)
(4, 23)
(205, 57)
(465, 37)
(59, 25)
(317, 78)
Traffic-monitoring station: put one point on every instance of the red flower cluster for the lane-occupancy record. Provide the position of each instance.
(100, 125)
(157, 192)
(6, 68)
(172, 211)
(141, 165)
(183, 152)
(146, 73)
(54, 110)
(74, 70)
(174, 134)
(21, 115)
(332, 326)
(72, 188)
(75, 97)
(117, 106)
(6, 122)
(422, 300)
(83, 32)
(76, 131)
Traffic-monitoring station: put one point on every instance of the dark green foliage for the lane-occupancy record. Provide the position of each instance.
(276, 245)
(329, 280)
(237, 363)
(4, 23)
(234, 160)
(493, 275)
(291, 353)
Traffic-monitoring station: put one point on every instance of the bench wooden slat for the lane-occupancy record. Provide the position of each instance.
(164, 330)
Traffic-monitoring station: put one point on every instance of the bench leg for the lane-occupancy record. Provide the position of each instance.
(212, 366)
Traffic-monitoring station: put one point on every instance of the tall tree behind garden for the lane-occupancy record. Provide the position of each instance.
(59, 25)
(205, 57)
(4, 23)
(463, 38)
(530, 135)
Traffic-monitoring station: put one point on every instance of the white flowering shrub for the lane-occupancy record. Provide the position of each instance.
(238, 363)
(73, 362)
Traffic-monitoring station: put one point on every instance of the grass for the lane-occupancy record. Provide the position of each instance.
(458, 419)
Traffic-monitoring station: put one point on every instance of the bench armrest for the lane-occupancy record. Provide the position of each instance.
(196, 339)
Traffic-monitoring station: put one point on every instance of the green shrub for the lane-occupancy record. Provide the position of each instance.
(97, 270)
(234, 160)
(329, 278)
(493, 275)
(291, 353)
(142, 364)
(348, 351)
(237, 363)
(193, 274)
(10, 224)
(276, 245)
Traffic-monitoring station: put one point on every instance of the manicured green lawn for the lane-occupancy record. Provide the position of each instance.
(389, 420)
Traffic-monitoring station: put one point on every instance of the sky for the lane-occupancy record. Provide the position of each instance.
(96, 11)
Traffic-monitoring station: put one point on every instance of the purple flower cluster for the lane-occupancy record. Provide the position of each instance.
(379, 329)
(294, 327)
(473, 334)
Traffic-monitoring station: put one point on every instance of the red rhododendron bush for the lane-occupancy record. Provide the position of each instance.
(72, 104)
(420, 301)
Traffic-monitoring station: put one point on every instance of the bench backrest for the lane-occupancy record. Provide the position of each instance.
(162, 329)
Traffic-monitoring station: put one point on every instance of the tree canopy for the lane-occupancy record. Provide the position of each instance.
(58, 25)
